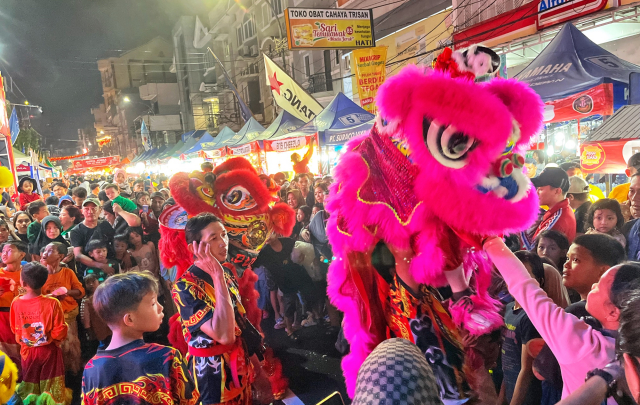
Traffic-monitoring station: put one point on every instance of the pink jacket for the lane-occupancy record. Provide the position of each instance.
(578, 347)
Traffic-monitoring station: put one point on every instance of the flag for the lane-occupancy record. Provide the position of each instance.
(35, 170)
(244, 110)
(14, 126)
(288, 94)
(146, 139)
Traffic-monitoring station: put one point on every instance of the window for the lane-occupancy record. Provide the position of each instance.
(278, 6)
(249, 30)
(307, 66)
(266, 14)
(239, 35)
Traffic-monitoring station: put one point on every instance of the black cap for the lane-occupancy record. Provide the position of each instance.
(554, 177)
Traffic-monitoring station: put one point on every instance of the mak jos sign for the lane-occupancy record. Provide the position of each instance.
(329, 28)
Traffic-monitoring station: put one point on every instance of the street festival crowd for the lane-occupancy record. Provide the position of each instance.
(85, 301)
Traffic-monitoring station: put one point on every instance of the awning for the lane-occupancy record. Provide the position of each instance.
(224, 134)
(192, 134)
(341, 114)
(610, 146)
(169, 152)
(187, 145)
(251, 128)
(341, 136)
(206, 139)
(284, 124)
(571, 64)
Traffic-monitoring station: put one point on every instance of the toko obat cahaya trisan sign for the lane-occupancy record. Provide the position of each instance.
(318, 28)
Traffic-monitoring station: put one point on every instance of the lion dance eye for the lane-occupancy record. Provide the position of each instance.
(447, 145)
(238, 199)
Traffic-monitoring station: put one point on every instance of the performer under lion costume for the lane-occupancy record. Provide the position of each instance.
(245, 204)
(438, 171)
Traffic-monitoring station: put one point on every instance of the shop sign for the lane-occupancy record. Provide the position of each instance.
(284, 145)
(597, 100)
(592, 156)
(99, 162)
(526, 20)
(23, 167)
(242, 150)
(370, 74)
(330, 28)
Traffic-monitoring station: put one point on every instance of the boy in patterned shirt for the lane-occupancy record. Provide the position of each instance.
(12, 255)
(131, 371)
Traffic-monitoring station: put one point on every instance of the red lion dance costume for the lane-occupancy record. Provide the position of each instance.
(236, 195)
(436, 173)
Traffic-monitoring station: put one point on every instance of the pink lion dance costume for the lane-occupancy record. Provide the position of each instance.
(438, 171)
(247, 208)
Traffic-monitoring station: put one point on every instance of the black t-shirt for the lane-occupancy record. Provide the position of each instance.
(288, 276)
(581, 217)
(81, 235)
(517, 331)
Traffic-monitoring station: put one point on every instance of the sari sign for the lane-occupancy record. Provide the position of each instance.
(370, 74)
(288, 144)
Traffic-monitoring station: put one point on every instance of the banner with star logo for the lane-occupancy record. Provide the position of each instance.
(288, 94)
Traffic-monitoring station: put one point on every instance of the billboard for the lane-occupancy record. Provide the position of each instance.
(98, 162)
(329, 28)
(370, 74)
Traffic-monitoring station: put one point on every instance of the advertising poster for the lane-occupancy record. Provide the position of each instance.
(317, 28)
(370, 74)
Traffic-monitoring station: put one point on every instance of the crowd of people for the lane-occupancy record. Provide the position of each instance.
(85, 301)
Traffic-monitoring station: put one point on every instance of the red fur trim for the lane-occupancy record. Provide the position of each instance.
(187, 198)
(283, 218)
(176, 338)
(249, 295)
(173, 250)
(232, 164)
(273, 368)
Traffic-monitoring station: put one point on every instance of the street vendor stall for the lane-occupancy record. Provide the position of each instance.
(341, 116)
(580, 82)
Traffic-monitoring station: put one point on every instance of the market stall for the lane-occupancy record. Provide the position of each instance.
(580, 82)
(341, 116)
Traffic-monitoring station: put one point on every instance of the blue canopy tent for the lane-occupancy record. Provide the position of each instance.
(169, 152)
(224, 134)
(282, 125)
(141, 157)
(157, 152)
(250, 132)
(341, 114)
(340, 136)
(572, 64)
(187, 145)
(192, 134)
(251, 127)
(206, 138)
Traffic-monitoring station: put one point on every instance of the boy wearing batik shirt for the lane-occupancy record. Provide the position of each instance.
(131, 371)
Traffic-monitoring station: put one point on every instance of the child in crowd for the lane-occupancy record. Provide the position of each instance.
(126, 261)
(98, 251)
(150, 224)
(98, 332)
(577, 346)
(46, 193)
(147, 258)
(605, 216)
(21, 222)
(26, 189)
(113, 193)
(303, 217)
(39, 326)
(128, 303)
(519, 386)
(317, 207)
(6, 231)
(12, 255)
(38, 211)
(64, 285)
(79, 194)
(554, 246)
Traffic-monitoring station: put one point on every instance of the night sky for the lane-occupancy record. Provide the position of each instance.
(50, 49)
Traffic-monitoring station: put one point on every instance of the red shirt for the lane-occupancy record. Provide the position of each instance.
(25, 199)
(560, 217)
